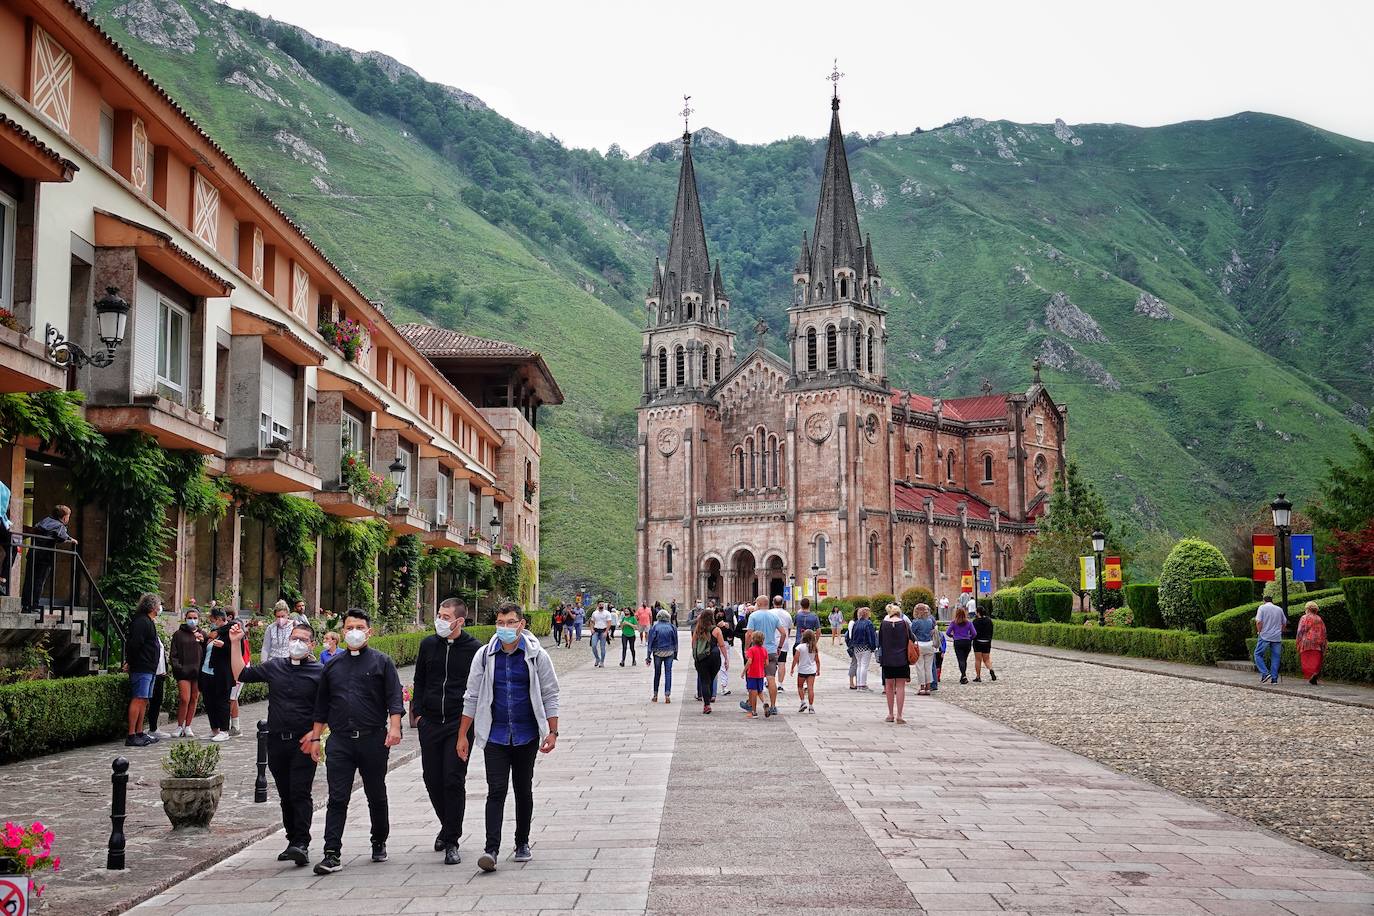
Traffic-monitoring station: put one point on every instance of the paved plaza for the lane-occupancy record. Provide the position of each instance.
(657, 809)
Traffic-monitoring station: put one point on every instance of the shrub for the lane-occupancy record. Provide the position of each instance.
(880, 600)
(1272, 590)
(1120, 617)
(1344, 661)
(985, 603)
(858, 601)
(1191, 558)
(917, 594)
(1079, 618)
(1334, 611)
(1359, 604)
(1214, 595)
(190, 760)
(1138, 642)
(1038, 586)
(1054, 606)
(39, 717)
(1235, 625)
(1143, 600)
(540, 623)
(1006, 603)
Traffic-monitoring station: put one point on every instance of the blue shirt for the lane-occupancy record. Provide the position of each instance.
(922, 628)
(512, 716)
(806, 620)
(765, 622)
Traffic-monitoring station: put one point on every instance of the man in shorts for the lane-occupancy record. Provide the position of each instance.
(766, 622)
(784, 628)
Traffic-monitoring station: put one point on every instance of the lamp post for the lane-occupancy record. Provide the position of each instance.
(975, 560)
(1283, 517)
(1099, 545)
(397, 470)
(112, 321)
(815, 577)
(495, 526)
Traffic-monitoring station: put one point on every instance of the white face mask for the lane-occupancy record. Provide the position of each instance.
(283, 621)
(442, 627)
(298, 648)
(356, 639)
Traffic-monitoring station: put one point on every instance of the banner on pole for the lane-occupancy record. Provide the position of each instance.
(1111, 572)
(1087, 573)
(985, 582)
(822, 586)
(787, 594)
(1263, 560)
(1303, 559)
(966, 582)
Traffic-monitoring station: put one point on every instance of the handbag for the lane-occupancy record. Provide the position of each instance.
(912, 653)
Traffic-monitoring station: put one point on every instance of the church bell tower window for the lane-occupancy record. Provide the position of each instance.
(662, 367)
(718, 355)
(871, 370)
(680, 367)
(831, 350)
(811, 349)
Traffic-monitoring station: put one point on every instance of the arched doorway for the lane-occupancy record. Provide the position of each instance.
(744, 568)
(710, 574)
(776, 580)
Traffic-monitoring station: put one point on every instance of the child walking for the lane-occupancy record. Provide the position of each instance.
(755, 659)
(806, 662)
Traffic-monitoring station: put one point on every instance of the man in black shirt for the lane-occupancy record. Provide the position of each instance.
(360, 700)
(50, 531)
(293, 685)
(216, 676)
(436, 707)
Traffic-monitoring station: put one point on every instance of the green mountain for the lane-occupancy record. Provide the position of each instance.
(1199, 294)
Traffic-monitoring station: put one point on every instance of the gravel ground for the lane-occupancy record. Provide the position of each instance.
(1301, 767)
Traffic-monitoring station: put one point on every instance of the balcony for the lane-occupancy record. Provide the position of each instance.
(24, 364)
(742, 508)
(274, 471)
(446, 535)
(346, 504)
(171, 424)
(407, 518)
(500, 555)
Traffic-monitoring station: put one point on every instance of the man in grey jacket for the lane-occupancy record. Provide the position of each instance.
(512, 700)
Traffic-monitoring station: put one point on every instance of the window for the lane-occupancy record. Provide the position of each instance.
(350, 433)
(906, 556)
(172, 343)
(949, 465)
(691, 309)
(873, 551)
(916, 462)
(987, 468)
(943, 557)
(831, 350)
(404, 491)
(8, 209)
(1006, 562)
(472, 508)
(763, 464)
(705, 375)
(668, 559)
(739, 467)
(718, 355)
(679, 367)
(773, 447)
(811, 349)
(858, 350)
(753, 463)
(662, 368)
(844, 287)
(441, 500)
(277, 406)
(821, 544)
(106, 151)
(871, 370)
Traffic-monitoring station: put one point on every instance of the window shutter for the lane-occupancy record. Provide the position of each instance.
(145, 340)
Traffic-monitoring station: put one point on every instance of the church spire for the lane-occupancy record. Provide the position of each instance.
(687, 257)
(836, 243)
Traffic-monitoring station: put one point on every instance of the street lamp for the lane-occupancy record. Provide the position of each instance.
(792, 590)
(112, 321)
(495, 526)
(1283, 517)
(397, 470)
(975, 560)
(815, 578)
(1099, 545)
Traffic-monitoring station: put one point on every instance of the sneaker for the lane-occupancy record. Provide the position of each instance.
(706, 710)
(187, 733)
(522, 853)
(725, 693)
(978, 680)
(622, 664)
(235, 731)
(993, 674)
(803, 707)
(1264, 678)
(452, 856)
(487, 860)
(160, 734)
(151, 738)
(439, 843)
(220, 737)
(963, 680)
(744, 705)
(328, 865)
(284, 855)
(1272, 680)
(767, 710)
(811, 710)
(378, 852)
(298, 854)
(139, 740)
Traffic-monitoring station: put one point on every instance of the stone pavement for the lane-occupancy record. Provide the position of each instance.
(1346, 694)
(657, 809)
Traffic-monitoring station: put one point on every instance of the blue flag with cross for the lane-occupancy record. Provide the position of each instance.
(1303, 558)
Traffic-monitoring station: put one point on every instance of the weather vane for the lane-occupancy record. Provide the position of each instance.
(686, 112)
(834, 77)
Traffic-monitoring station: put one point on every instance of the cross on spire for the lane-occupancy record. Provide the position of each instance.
(686, 112)
(834, 77)
(760, 331)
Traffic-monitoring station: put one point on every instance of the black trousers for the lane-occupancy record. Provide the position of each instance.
(961, 648)
(507, 764)
(36, 583)
(346, 757)
(445, 776)
(155, 701)
(294, 774)
(627, 642)
(214, 691)
(707, 670)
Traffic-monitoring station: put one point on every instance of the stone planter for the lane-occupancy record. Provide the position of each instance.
(191, 803)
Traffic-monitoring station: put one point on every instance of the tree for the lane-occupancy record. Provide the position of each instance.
(425, 291)
(1238, 523)
(1065, 532)
(1345, 513)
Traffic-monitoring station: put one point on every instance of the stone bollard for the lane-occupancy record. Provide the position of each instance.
(114, 856)
(260, 784)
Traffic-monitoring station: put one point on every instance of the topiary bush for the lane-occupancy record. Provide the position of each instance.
(1213, 595)
(1272, 590)
(1191, 558)
(880, 600)
(917, 594)
(1143, 600)
(1120, 617)
(1139, 642)
(1359, 604)
(1038, 586)
(1054, 606)
(1006, 603)
(1235, 625)
(858, 601)
(1344, 661)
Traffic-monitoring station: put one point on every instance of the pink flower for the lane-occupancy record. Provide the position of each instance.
(56, 863)
(48, 837)
(38, 889)
(37, 827)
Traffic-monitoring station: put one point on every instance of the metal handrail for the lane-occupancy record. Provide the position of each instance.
(32, 545)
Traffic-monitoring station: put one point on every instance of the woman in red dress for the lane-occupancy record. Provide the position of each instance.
(1311, 642)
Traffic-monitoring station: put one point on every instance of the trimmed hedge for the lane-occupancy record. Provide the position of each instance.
(1344, 661)
(1274, 588)
(1143, 600)
(1035, 587)
(1359, 604)
(1138, 642)
(1054, 606)
(1213, 595)
(1006, 603)
(879, 601)
(858, 601)
(1333, 610)
(1234, 626)
(917, 594)
(1190, 558)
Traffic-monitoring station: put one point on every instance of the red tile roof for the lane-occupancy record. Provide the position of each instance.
(978, 407)
(438, 343)
(912, 499)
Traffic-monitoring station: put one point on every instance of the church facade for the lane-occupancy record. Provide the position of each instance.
(756, 472)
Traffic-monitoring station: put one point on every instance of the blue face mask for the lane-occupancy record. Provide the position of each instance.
(507, 634)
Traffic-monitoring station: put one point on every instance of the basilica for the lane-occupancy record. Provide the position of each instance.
(758, 472)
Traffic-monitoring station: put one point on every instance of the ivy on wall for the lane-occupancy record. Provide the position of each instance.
(404, 589)
(296, 523)
(357, 546)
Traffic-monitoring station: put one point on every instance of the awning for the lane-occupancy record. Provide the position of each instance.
(157, 249)
(276, 336)
(355, 392)
(29, 157)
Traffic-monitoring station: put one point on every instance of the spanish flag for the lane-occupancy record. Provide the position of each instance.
(966, 582)
(1263, 562)
(1111, 573)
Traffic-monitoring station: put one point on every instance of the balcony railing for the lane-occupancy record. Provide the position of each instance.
(742, 507)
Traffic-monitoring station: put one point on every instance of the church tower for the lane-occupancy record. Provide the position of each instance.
(688, 348)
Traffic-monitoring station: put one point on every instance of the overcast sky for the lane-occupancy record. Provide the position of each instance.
(596, 72)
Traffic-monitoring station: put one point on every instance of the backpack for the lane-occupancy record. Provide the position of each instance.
(702, 648)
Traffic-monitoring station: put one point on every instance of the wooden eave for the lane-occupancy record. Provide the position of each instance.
(29, 157)
(156, 248)
(276, 336)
